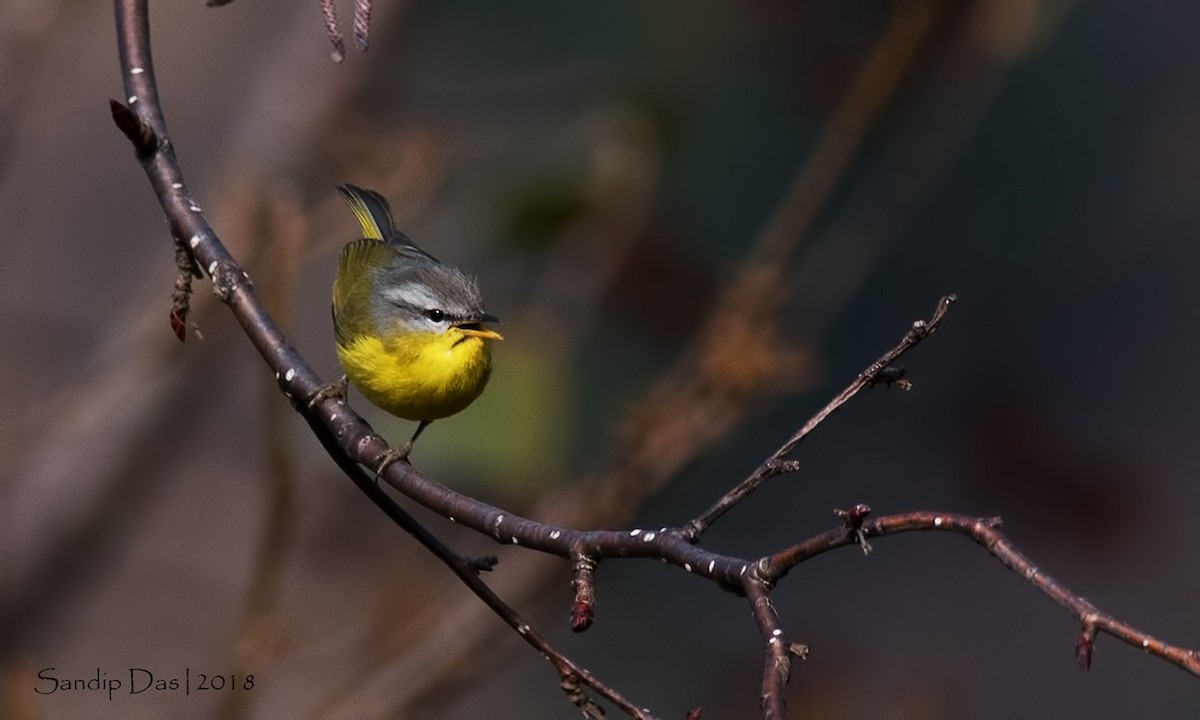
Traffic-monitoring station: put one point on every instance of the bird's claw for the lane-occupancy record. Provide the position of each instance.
(392, 456)
(335, 390)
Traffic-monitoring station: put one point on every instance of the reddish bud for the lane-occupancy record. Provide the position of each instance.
(1083, 652)
(694, 714)
(179, 323)
(854, 517)
(582, 614)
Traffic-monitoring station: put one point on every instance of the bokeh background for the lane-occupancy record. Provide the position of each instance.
(610, 171)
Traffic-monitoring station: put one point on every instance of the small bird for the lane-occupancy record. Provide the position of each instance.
(410, 329)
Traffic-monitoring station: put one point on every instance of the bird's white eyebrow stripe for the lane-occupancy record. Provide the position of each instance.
(411, 295)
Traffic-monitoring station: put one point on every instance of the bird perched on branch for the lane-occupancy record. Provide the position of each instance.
(410, 330)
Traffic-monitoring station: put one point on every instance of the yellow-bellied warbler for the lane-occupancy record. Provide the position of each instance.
(410, 330)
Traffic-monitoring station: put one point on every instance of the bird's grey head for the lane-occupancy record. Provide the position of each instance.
(429, 297)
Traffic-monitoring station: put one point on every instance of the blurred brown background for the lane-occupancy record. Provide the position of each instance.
(604, 169)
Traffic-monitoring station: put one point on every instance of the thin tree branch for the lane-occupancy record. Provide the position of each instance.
(333, 31)
(362, 23)
(777, 664)
(775, 464)
(984, 532)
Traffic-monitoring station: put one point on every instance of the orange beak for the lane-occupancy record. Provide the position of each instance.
(475, 329)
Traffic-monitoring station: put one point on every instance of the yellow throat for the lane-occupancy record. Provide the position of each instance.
(419, 375)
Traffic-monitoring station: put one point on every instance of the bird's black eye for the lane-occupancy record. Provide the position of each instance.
(435, 315)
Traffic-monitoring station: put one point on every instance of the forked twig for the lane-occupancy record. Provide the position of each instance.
(776, 463)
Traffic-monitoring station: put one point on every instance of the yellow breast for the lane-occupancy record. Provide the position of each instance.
(418, 376)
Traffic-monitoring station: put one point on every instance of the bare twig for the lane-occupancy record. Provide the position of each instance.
(181, 294)
(583, 608)
(333, 31)
(362, 27)
(984, 532)
(777, 663)
(362, 23)
(773, 465)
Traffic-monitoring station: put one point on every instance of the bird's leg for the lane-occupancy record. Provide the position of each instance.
(401, 453)
(332, 390)
(420, 428)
